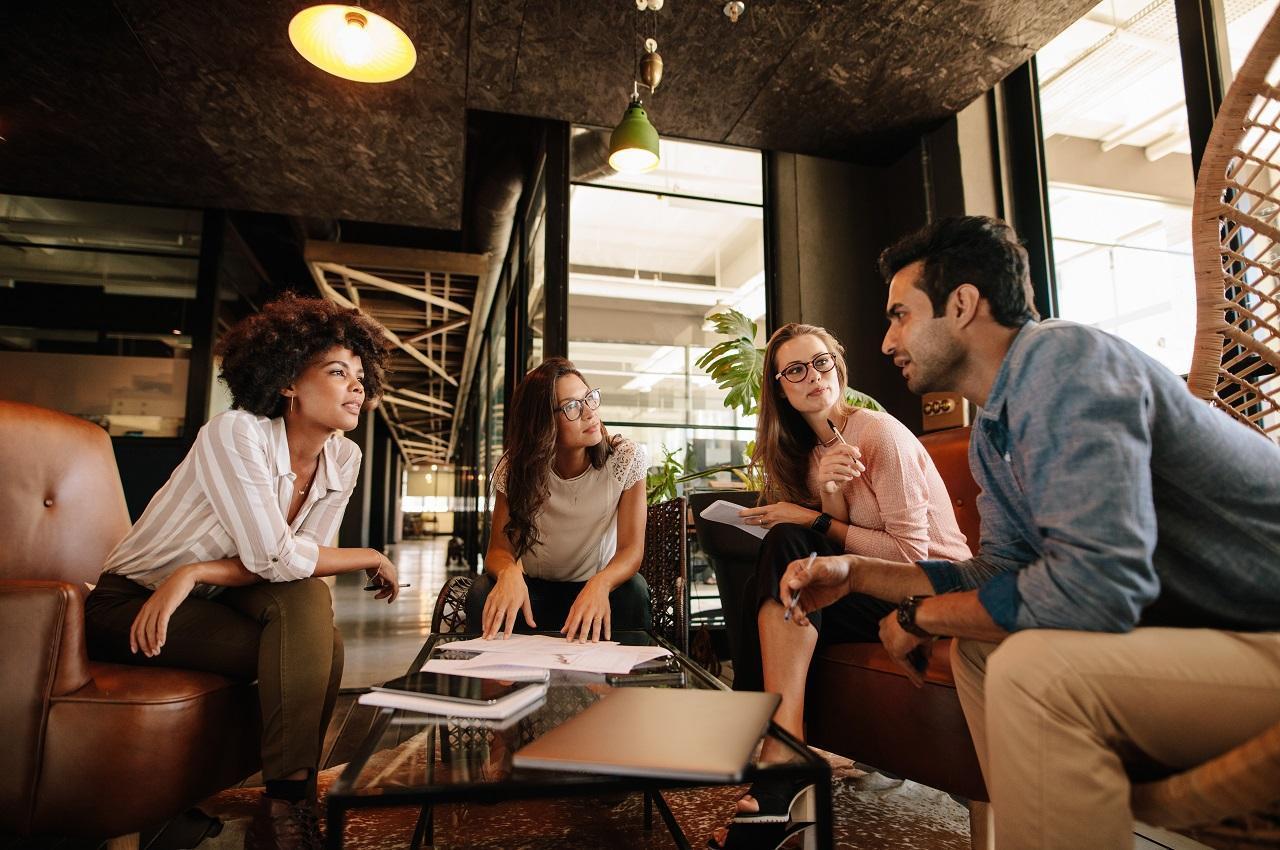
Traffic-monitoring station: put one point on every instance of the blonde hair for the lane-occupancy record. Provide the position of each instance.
(784, 440)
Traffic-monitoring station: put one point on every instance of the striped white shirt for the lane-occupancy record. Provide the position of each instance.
(230, 497)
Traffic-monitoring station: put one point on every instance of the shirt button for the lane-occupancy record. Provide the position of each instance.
(274, 559)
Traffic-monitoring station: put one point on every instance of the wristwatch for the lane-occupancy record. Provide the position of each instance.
(821, 523)
(907, 616)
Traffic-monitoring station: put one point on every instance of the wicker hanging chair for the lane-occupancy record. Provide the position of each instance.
(1233, 801)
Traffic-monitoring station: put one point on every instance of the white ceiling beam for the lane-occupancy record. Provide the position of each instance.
(404, 402)
(424, 397)
(333, 295)
(438, 329)
(391, 286)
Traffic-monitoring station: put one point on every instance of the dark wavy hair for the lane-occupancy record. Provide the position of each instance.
(266, 352)
(531, 449)
(972, 249)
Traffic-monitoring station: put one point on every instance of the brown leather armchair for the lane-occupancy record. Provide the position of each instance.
(92, 749)
(859, 703)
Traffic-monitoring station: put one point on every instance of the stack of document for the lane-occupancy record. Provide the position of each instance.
(504, 659)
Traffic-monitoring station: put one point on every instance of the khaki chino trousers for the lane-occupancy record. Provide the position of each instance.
(280, 633)
(1061, 719)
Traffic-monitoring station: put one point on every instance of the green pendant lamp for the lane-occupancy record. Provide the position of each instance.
(633, 147)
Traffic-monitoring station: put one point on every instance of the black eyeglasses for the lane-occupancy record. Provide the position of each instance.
(572, 409)
(796, 372)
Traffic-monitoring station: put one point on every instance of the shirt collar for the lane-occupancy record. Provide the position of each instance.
(997, 398)
(327, 471)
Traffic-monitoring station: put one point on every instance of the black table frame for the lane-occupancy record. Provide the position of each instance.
(342, 799)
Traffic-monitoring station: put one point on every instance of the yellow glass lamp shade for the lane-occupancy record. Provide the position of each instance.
(633, 146)
(352, 43)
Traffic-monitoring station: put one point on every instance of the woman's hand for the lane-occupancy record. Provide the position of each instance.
(768, 516)
(818, 585)
(151, 626)
(510, 596)
(384, 573)
(589, 618)
(839, 464)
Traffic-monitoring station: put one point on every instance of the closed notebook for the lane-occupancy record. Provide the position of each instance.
(663, 733)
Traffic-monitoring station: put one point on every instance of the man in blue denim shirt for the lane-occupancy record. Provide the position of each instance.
(1123, 610)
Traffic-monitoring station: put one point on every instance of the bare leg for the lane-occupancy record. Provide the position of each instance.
(785, 651)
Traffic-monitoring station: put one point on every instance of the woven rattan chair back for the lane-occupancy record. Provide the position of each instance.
(1236, 247)
(665, 567)
(1234, 800)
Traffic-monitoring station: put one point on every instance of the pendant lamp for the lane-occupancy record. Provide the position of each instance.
(352, 43)
(633, 146)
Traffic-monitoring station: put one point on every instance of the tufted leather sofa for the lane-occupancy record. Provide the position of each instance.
(91, 749)
(859, 704)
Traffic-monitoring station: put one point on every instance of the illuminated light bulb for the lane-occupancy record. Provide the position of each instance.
(352, 43)
(356, 45)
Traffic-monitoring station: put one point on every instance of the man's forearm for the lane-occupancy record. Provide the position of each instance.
(891, 581)
(958, 615)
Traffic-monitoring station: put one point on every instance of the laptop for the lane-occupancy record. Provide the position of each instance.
(663, 733)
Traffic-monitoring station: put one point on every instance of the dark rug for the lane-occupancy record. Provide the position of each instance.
(871, 811)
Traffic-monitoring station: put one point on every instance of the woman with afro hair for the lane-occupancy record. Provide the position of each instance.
(221, 572)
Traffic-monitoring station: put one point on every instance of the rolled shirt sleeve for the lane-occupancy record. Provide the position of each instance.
(231, 466)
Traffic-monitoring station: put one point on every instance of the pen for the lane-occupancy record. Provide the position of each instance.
(795, 597)
(831, 486)
(374, 586)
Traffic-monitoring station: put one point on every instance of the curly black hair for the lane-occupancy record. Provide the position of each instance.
(266, 352)
(972, 249)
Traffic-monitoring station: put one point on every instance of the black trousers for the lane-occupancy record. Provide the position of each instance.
(854, 618)
(629, 606)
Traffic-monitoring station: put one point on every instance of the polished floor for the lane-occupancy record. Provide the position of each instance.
(382, 639)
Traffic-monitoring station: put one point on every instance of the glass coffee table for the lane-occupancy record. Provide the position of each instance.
(411, 759)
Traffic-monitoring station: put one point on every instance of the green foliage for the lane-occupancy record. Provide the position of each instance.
(660, 481)
(857, 399)
(735, 364)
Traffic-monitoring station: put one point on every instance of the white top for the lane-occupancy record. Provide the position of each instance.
(229, 497)
(578, 522)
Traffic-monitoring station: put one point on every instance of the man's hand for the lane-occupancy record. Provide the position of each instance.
(510, 596)
(590, 618)
(767, 516)
(384, 573)
(151, 626)
(901, 645)
(817, 586)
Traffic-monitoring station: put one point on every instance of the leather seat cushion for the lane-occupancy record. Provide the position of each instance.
(186, 734)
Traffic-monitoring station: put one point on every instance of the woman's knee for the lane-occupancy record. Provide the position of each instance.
(630, 604)
(302, 603)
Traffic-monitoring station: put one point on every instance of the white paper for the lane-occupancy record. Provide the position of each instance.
(727, 512)
(496, 670)
(525, 643)
(609, 658)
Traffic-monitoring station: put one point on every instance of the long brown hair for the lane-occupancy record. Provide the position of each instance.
(784, 440)
(531, 449)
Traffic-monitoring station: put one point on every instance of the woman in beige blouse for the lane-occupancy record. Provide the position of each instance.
(568, 518)
(220, 572)
(866, 487)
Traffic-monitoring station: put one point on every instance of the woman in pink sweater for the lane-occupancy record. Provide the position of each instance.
(867, 487)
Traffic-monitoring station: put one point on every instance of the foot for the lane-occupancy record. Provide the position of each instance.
(755, 836)
(281, 825)
(770, 802)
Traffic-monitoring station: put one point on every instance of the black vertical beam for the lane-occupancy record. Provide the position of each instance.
(1202, 33)
(772, 304)
(204, 321)
(1030, 181)
(354, 530)
(556, 334)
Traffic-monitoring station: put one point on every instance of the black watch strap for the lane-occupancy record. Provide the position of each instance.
(907, 616)
(822, 523)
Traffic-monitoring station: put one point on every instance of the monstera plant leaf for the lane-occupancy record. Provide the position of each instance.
(856, 399)
(735, 364)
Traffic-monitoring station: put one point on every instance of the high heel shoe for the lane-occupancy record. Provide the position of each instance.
(758, 835)
(785, 809)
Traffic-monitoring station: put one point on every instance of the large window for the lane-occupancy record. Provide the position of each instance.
(1118, 160)
(96, 304)
(650, 257)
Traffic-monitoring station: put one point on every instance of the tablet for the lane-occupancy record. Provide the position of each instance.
(462, 689)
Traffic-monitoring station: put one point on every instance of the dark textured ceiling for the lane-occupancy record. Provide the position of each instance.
(207, 104)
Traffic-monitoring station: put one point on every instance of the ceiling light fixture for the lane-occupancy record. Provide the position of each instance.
(634, 143)
(352, 43)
